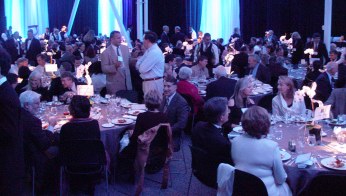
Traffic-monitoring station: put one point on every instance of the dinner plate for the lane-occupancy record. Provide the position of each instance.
(238, 129)
(284, 155)
(126, 105)
(329, 163)
(55, 103)
(107, 125)
(135, 112)
(122, 121)
(202, 92)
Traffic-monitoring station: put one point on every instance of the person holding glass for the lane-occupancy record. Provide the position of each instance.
(35, 84)
(239, 101)
(285, 103)
(252, 152)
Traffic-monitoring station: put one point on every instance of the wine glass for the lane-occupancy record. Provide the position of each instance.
(54, 110)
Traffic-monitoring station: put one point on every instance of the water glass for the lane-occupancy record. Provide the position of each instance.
(55, 99)
(311, 140)
(278, 134)
(54, 110)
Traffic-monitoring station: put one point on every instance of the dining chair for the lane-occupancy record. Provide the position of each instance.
(326, 184)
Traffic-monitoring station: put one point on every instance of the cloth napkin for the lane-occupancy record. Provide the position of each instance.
(225, 179)
(304, 160)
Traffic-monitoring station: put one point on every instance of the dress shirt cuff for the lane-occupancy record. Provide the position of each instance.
(50, 128)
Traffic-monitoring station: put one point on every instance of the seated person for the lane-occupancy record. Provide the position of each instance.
(223, 86)
(285, 102)
(207, 136)
(325, 82)
(65, 88)
(252, 152)
(179, 64)
(36, 86)
(19, 63)
(40, 145)
(176, 109)
(145, 121)
(258, 70)
(23, 73)
(312, 73)
(239, 100)
(169, 65)
(12, 79)
(98, 78)
(185, 88)
(81, 126)
(200, 70)
(337, 101)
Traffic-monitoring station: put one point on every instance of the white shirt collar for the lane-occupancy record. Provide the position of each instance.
(169, 99)
(2, 80)
(217, 126)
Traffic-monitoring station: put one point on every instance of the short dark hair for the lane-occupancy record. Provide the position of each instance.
(42, 56)
(333, 52)
(24, 72)
(255, 122)
(12, 78)
(67, 74)
(77, 58)
(201, 58)
(112, 33)
(171, 79)
(316, 35)
(169, 58)
(5, 62)
(207, 35)
(80, 107)
(214, 108)
(151, 36)
(317, 65)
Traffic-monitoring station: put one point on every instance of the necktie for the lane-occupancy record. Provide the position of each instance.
(118, 53)
(316, 46)
(166, 105)
(332, 82)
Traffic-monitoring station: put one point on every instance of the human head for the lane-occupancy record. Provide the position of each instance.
(169, 86)
(169, 59)
(286, 86)
(216, 110)
(253, 60)
(35, 80)
(202, 61)
(150, 38)
(177, 29)
(165, 28)
(185, 73)
(24, 72)
(12, 79)
(207, 38)
(30, 34)
(47, 29)
(41, 59)
(5, 62)
(255, 122)
(30, 101)
(316, 65)
(15, 35)
(332, 68)
(152, 100)
(22, 62)
(333, 55)
(220, 71)
(115, 37)
(295, 35)
(79, 107)
(67, 79)
(78, 61)
(178, 60)
(242, 89)
(316, 37)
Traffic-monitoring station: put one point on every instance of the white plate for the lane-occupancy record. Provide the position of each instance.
(284, 155)
(126, 105)
(107, 125)
(56, 103)
(135, 112)
(238, 129)
(202, 92)
(122, 121)
(328, 163)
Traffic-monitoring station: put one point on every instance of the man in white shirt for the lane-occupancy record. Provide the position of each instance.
(151, 64)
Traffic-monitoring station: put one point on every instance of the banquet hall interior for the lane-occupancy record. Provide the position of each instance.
(172, 97)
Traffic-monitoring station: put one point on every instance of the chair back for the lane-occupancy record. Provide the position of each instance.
(204, 166)
(327, 185)
(143, 149)
(246, 184)
(130, 95)
(82, 154)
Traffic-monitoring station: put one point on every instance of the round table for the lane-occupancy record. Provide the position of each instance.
(299, 179)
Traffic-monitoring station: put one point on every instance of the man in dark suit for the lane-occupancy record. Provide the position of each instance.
(223, 86)
(176, 109)
(13, 47)
(240, 62)
(11, 135)
(177, 36)
(208, 136)
(320, 50)
(164, 36)
(32, 48)
(258, 70)
(325, 82)
(341, 81)
(40, 145)
(67, 56)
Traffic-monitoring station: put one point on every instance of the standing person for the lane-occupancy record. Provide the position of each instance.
(164, 35)
(32, 48)
(210, 50)
(151, 64)
(115, 64)
(11, 135)
(298, 48)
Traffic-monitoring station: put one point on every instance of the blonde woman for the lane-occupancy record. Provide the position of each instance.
(284, 102)
(35, 85)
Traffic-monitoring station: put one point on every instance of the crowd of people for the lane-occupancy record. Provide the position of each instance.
(160, 70)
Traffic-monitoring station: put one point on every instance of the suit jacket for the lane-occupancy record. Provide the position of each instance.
(57, 89)
(341, 81)
(177, 113)
(117, 78)
(324, 88)
(11, 142)
(210, 139)
(240, 63)
(337, 100)
(80, 129)
(298, 51)
(11, 47)
(164, 38)
(321, 51)
(176, 37)
(67, 57)
(222, 87)
(263, 74)
(34, 50)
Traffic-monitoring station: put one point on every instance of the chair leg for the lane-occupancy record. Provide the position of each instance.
(33, 180)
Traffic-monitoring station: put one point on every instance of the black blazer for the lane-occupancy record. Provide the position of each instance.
(78, 129)
(297, 55)
(34, 50)
(321, 51)
(11, 142)
(341, 81)
(164, 38)
(222, 87)
(263, 74)
(324, 88)
(57, 89)
(240, 63)
(11, 48)
(177, 113)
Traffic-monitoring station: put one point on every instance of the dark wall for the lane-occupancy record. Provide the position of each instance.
(2, 16)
